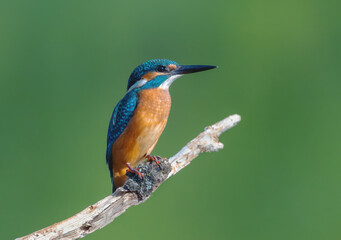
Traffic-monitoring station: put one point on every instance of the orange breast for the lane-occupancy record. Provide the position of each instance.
(142, 132)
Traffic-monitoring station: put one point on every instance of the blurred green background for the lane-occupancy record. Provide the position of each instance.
(65, 64)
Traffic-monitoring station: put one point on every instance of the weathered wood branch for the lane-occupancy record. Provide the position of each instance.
(106, 210)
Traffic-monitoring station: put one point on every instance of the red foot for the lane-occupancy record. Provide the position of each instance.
(153, 159)
(132, 170)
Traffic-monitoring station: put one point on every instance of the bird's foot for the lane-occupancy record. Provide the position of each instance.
(153, 159)
(135, 171)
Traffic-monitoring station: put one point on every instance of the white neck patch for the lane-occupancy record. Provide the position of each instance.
(166, 84)
(138, 84)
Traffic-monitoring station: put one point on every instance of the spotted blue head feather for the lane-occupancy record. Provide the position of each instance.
(154, 65)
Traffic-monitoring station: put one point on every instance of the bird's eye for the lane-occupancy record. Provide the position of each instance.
(161, 68)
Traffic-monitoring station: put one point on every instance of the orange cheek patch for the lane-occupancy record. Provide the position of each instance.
(151, 75)
(172, 66)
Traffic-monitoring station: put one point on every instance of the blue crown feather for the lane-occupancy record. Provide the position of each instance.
(146, 67)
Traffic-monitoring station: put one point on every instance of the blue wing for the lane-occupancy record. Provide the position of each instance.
(120, 118)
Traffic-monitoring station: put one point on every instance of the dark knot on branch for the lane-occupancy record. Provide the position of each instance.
(153, 176)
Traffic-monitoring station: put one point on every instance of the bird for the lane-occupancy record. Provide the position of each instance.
(140, 117)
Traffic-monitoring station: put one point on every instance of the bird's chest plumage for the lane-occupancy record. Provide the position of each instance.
(150, 117)
(142, 132)
(154, 105)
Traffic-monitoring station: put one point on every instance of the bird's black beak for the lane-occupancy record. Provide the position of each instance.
(184, 69)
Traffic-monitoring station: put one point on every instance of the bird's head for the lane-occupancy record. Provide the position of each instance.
(160, 73)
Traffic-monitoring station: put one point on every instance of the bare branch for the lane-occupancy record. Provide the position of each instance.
(106, 210)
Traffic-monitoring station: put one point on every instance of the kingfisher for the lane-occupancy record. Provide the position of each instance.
(141, 115)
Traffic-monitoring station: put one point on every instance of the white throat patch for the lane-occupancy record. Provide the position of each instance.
(165, 85)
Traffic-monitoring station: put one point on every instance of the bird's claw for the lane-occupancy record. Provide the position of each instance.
(135, 171)
(153, 159)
